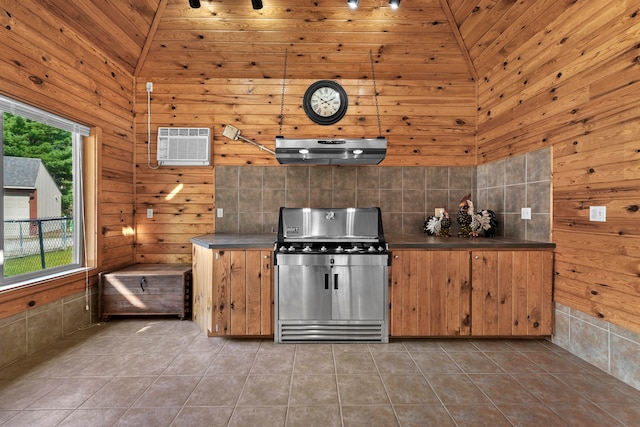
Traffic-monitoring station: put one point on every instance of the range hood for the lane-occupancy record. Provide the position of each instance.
(330, 151)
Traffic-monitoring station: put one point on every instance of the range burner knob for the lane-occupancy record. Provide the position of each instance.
(323, 249)
(291, 248)
(372, 248)
(339, 249)
(283, 248)
(380, 249)
(306, 248)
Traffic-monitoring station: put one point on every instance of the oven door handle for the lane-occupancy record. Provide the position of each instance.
(326, 280)
(335, 281)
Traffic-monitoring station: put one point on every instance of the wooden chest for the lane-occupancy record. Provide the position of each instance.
(144, 289)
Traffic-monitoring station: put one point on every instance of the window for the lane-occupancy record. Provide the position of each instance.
(41, 193)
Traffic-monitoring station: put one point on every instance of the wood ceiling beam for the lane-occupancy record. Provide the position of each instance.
(458, 36)
(150, 36)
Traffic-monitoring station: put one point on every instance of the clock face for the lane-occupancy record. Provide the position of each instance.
(325, 102)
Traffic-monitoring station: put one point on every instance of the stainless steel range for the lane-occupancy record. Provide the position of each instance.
(331, 271)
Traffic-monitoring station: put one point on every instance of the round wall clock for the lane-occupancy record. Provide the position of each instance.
(325, 102)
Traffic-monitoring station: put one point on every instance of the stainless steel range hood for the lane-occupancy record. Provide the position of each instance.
(330, 151)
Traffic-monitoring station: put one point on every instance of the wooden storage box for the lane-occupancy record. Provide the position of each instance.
(146, 289)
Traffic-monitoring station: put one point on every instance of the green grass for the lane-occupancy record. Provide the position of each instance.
(15, 266)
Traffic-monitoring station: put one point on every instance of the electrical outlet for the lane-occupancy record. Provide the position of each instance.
(598, 213)
(149, 87)
(149, 213)
(439, 212)
(219, 213)
(525, 213)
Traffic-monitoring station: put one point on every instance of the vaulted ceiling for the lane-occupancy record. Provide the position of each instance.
(229, 39)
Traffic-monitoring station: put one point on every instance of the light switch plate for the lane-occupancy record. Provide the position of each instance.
(149, 213)
(219, 213)
(525, 213)
(598, 213)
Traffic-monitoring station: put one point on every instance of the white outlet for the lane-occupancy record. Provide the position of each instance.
(149, 87)
(219, 213)
(598, 213)
(149, 213)
(525, 213)
(439, 212)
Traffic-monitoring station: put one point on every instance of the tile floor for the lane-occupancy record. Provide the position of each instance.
(164, 372)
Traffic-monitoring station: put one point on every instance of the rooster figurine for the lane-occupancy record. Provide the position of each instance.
(438, 226)
(472, 223)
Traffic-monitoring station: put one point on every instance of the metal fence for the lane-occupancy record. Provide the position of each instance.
(31, 245)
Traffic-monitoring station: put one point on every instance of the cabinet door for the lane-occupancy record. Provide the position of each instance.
(304, 292)
(430, 293)
(357, 292)
(221, 292)
(511, 293)
(242, 293)
(251, 298)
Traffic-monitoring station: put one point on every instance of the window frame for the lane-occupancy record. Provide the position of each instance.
(79, 133)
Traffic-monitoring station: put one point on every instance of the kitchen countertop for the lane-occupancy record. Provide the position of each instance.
(404, 241)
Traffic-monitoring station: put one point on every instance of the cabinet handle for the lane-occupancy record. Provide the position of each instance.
(395, 257)
(143, 281)
(335, 281)
(266, 257)
(476, 257)
(326, 281)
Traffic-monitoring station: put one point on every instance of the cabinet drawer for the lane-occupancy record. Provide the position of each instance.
(146, 289)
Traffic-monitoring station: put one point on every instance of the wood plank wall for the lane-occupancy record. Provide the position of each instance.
(572, 84)
(45, 63)
(428, 123)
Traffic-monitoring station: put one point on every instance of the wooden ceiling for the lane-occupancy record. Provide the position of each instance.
(423, 39)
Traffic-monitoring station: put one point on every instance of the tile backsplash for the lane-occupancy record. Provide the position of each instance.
(251, 196)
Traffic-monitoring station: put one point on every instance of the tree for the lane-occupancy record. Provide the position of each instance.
(28, 138)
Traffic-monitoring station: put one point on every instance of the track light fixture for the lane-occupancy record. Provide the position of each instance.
(257, 4)
(352, 3)
(194, 3)
(394, 4)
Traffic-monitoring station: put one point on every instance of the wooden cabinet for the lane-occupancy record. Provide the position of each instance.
(511, 293)
(233, 295)
(430, 293)
(146, 289)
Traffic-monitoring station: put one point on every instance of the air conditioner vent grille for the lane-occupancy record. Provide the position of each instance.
(184, 146)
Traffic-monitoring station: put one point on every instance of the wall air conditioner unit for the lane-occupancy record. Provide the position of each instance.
(184, 146)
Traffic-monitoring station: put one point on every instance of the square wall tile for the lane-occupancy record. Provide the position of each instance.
(539, 165)
(438, 178)
(44, 326)
(368, 177)
(297, 177)
(391, 178)
(273, 177)
(226, 176)
(590, 343)
(13, 337)
(515, 170)
(250, 177)
(625, 359)
(321, 178)
(75, 316)
(413, 178)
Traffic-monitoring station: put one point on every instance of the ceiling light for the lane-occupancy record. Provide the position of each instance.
(352, 3)
(194, 3)
(257, 4)
(394, 4)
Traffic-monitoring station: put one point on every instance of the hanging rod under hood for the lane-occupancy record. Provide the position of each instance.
(331, 151)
